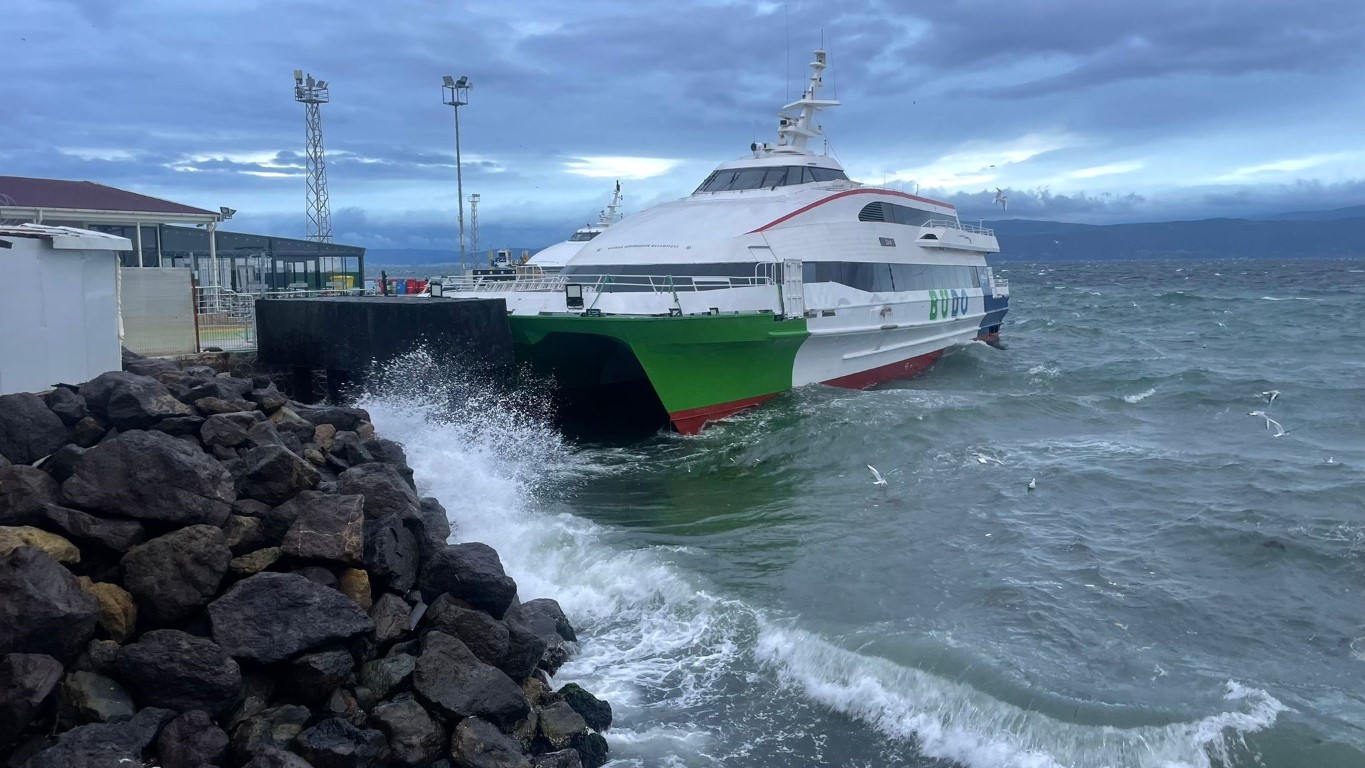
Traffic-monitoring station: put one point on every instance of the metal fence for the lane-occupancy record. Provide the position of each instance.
(225, 320)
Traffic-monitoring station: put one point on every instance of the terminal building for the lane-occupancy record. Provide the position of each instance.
(169, 234)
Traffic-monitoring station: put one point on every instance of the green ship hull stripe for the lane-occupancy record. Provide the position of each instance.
(692, 361)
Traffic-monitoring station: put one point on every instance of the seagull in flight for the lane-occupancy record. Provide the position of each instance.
(982, 458)
(1001, 199)
(1270, 396)
(877, 478)
(1279, 430)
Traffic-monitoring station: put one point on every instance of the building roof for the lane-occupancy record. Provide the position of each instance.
(56, 194)
(65, 238)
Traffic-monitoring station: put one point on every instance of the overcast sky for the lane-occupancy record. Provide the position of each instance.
(1082, 110)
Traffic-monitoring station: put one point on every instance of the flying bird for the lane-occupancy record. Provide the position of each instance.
(877, 478)
(982, 458)
(1279, 430)
(1001, 199)
(1270, 396)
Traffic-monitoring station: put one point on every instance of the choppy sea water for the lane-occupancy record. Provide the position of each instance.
(1182, 588)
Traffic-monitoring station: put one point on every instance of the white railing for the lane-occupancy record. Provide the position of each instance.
(604, 283)
(954, 224)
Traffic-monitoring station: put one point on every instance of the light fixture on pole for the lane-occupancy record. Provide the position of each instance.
(455, 93)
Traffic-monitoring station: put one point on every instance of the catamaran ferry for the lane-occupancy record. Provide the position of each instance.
(777, 272)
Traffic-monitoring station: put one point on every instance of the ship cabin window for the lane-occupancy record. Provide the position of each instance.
(582, 237)
(732, 179)
(887, 278)
(897, 214)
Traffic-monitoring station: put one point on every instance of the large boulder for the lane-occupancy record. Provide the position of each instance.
(478, 743)
(129, 401)
(227, 430)
(274, 757)
(562, 728)
(152, 476)
(89, 697)
(326, 527)
(272, 616)
(431, 527)
(544, 620)
(25, 490)
(118, 610)
(391, 553)
(390, 615)
(26, 680)
(169, 668)
(14, 536)
(274, 474)
(564, 758)
(173, 576)
(386, 493)
(472, 572)
(191, 741)
(28, 430)
(484, 635)
(594, 711)
(108, 533)
(415, 738)
(453, 680)
(526, 650)
(339, 417)
(222, 387)
(275, 727)
(313, 676)
(42, 607)
(105, 745)
(69, 406)
(388, 675)
(335, 743)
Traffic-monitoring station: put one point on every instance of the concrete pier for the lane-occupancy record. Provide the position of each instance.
(345, 336)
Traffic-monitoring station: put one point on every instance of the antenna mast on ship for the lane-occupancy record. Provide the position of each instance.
(608, 216)
(794, 130)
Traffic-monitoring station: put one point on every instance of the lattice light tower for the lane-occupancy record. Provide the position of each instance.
(474, 224)
(313, 93)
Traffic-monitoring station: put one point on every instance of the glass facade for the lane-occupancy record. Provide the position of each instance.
(258, 264)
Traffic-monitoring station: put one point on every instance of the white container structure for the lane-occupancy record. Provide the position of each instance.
(59, 308)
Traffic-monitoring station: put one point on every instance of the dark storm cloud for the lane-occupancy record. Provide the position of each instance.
(194, 101)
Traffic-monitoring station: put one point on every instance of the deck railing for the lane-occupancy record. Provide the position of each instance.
(602, 283)
(953, 224)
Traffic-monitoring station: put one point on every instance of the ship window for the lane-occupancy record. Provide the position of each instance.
(767, 178)
(582, 237)
(872, 212)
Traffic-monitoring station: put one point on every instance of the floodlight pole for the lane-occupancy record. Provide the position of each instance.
(455, 93)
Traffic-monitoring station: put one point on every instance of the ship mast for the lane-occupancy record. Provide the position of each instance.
(608, 215)
(794, 130)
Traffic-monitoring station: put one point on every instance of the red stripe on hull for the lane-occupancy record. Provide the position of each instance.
(846, 193)
(690, 421)
(902, 370)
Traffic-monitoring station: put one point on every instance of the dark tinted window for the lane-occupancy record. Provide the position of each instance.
(764, 178)
(872, 212)
(582, 237)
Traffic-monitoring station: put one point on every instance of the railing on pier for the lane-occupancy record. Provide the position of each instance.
(225, 319)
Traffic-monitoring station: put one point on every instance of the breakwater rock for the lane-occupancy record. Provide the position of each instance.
(197, 571)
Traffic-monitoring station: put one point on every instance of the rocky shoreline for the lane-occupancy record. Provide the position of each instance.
(196, 570)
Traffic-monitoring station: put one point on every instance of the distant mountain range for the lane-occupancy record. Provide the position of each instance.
(1305, 234)
(1300, 234)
